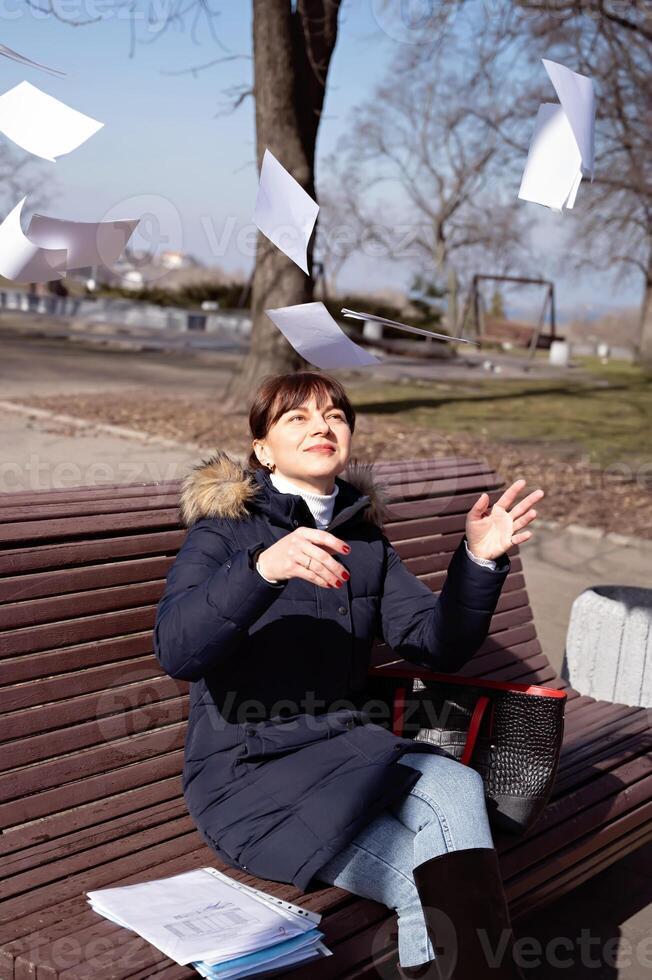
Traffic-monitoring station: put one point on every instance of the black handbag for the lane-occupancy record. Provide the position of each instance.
(510, 733)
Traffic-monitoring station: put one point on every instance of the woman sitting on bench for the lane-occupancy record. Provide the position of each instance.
(271, 607)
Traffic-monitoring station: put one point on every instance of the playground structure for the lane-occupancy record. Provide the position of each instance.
(476, 319)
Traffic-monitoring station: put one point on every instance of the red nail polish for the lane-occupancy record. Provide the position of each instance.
(346, 548)
(346, 576)
(338, 583)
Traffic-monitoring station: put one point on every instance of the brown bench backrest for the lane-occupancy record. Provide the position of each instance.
(92, 728)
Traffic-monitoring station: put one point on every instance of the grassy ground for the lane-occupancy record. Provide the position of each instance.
(606, 414)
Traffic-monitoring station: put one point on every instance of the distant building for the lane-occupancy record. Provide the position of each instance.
(177, 260)
(170, 270)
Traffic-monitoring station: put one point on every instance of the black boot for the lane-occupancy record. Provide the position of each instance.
(462, 893)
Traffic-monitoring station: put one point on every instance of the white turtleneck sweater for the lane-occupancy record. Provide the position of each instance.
(320, 504)
(321, 507)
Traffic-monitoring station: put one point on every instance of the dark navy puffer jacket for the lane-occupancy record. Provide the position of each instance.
(283, 765)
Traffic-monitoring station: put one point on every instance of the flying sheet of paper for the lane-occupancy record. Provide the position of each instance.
(573, 194)
(315, 335)
(86, 242)
(404, 326)
(15, 56)
(553, 169)
(284, 212)
(562, 147)
(22, 260)
(41, 124)
(577, 97)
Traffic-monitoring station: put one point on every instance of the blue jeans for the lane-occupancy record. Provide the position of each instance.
(444, 811)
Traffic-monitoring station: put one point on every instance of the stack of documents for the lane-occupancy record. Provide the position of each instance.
(221, 927)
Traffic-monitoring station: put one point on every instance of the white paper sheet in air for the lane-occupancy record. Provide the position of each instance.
(41, 124)
(15, 56)
(577, 97)
(553, 169)
(87, 242)
(315, 335)
(562, 148)
(404, 326)
(283, 211)
(201, 915)
(23, 261)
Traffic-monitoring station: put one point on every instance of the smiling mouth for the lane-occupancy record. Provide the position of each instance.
(321, 449)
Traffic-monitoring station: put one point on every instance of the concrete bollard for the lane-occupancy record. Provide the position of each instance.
(608, 652)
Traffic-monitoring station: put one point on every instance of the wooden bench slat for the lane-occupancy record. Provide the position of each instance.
(82, 508)
(68, 554)
(632, 740)
(96, 491)
(575, 737)
(23, 809)
(592, 826)
(22, 589)
(108, 729)
(576, 874)
(59, 609)
(140, 849)
(78, 683)
(428, 526)
(46, 832)
(37, 866)
(77, 527)
(112, 624)
(49, 663)
(593, 805)
(622, 751)
(99, 759)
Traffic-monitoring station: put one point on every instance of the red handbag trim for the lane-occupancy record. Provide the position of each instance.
(430, 675)
(474, 728)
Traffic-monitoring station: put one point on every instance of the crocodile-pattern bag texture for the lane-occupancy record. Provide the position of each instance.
(516, 750)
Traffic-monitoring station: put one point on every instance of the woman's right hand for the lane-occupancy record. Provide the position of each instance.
(287, 558)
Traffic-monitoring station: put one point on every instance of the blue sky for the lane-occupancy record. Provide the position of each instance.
(163, 151)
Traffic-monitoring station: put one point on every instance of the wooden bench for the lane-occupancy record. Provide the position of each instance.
(93, 731)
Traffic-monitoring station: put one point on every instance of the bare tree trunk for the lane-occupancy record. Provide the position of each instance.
(644, 347)
(292, 52)
(452, 303)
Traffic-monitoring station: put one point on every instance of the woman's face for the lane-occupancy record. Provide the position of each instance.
(290, 444)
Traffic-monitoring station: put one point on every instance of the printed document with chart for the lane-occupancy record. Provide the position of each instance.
(206, 918)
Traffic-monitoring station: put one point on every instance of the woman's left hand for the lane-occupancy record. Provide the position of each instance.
(490, 533)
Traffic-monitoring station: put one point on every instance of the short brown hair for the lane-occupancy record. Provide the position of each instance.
(281, 393)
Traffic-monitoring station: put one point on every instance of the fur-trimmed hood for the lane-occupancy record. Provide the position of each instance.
(221, 486)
